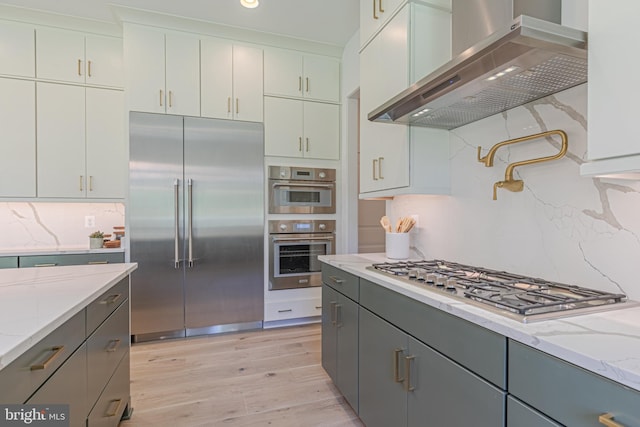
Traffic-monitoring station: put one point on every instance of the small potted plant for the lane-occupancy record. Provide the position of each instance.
(96, 240)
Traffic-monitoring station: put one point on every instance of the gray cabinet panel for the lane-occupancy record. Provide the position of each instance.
(479, 349)
(70, 259)
(446, 394)
(567, 393)
(68, 386)
(340, 280)
(329, 335)
(115, 399)
(521, 415)
(9, 262)
(106, 303)
(383, 400)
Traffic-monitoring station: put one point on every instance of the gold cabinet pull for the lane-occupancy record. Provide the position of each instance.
(161, 97)
(380, 159)
(55, 352)
(299, 143)
(607, 420)
(229, 104)
(299, 83)
(81, 183)
(318, 307)
(336, 280)
(237, 106)
(307, 84)
(375, 166)
(89, 68)
(97, 262)
(52, 264)
(79, 67)
(114, 403)
(396, 365)
(407, 371)
(90, 182)
(307, 144)
(374, 10)
(338, 308)
(380, 6)
(170, 99)
(332, 312)
(111, 299)
(288, 310)
(113, 345)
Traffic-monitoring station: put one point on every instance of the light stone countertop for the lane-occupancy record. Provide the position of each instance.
(606, 343)
(35, 301)
(56, 251)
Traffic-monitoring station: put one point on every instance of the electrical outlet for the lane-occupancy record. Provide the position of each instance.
(89, 221)
(415, 218)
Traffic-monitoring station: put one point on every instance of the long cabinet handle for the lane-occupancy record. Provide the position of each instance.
(81, 182)
(55, 352)
(88, 68)
(338, 315)
(116, 403)
(97, 262)
(332, 310)
(407, 371)
(90, 182)
(161, 97)
(380, 6)
(336, 280)
(380, 159)
(228, 104)
(176, 231)
(607, 420)
(396, 365)
(190, 225)
(237, 106)
(300, 82)
(113, 346)
(307, 84)
(111, 299)
(52, 264)
(307, 144)
(79, 67)
(374, 10)
(299, 143)
(170, 99)
(375, 167)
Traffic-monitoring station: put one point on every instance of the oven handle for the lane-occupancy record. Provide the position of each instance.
(301, 239)
(330, 186)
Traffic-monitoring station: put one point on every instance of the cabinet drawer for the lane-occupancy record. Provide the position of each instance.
(105, 349)
(444, 332)
(68, 387)
(8, 262)
(31, 369)
(567, 393)
(341, 281)
(72, 259)
(114, 400)
(106, 303)
(293, 309)
(521, 415)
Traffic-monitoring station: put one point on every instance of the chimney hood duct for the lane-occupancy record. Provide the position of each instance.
(529, 59)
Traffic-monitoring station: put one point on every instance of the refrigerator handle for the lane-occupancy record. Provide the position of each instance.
(176, 234)
(190, 227)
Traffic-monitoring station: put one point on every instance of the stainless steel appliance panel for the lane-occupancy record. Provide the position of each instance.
(156, 192)
(224, 171)
(301, 190)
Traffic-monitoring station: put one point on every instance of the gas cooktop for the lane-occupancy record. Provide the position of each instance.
(522, 298)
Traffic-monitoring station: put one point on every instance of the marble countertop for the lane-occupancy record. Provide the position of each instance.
(606, 343)
(57, 251)
(35, 301)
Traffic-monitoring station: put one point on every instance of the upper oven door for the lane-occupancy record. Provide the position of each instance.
(301, 197)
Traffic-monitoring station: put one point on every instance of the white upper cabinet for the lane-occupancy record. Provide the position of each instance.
(18, 124)
(17, 43)
(231, 86)
(374, 14)
(163, 71)
(399, 159)
(293, 74)
(70, 56)
(613, 147)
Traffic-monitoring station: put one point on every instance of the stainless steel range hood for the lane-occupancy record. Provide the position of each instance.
(529, 59)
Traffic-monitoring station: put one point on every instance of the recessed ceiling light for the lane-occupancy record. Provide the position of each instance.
(250, 3)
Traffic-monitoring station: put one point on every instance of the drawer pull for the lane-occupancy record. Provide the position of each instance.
(98, 262)
(55, 352)
(336, 280)
(113, 345)
(288, 310)
(113, 413)
(318, 307)
(111, 299)
(53, 264)
(396, 365)
(607, 420)
(407, 369)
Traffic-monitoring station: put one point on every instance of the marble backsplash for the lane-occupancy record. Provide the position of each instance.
(54, 226)
(562, 227)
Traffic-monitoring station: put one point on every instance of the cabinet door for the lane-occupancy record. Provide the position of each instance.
(67, 386)
(144, 77)
(321, 78)
(283, 130)
(521, 415)
(60, 55)
(183, 74)
(321, 130)
(18, 124)
(373, 15)
(17, 48)
(105, 143)
(347, 349)
(329, 332)
(282, 73)
(435, 380)
(61, 140)
(383, 401)
(103, 61)
(247, 83)
(216, 70)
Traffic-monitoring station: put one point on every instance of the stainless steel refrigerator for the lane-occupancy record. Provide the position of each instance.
(196, 225)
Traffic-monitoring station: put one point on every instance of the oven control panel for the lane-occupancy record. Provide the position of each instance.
(301, 226)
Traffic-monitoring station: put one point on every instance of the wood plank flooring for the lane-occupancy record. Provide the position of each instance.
(272, 377)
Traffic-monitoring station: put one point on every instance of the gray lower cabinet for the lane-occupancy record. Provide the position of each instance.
(9, 262)
(68, 385)
(115, 399)
(566, 393)
(340, 342)
(70, 259)
(521, 415)
(404, 382)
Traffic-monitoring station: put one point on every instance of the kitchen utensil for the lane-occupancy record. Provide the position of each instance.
(386, 224)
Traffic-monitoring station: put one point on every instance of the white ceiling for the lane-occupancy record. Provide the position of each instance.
(326, 21)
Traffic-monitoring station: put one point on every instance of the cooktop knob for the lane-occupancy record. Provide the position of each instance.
(451, 284)
(431, 278)
(440, 282)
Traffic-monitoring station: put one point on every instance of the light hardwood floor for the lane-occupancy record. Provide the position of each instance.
(262, 378)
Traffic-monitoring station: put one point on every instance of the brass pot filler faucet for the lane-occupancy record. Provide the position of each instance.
(517, 185)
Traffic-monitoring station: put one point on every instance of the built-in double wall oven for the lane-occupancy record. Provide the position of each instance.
(296, 242)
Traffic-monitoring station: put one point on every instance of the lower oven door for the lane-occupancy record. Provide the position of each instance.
(293, 259)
